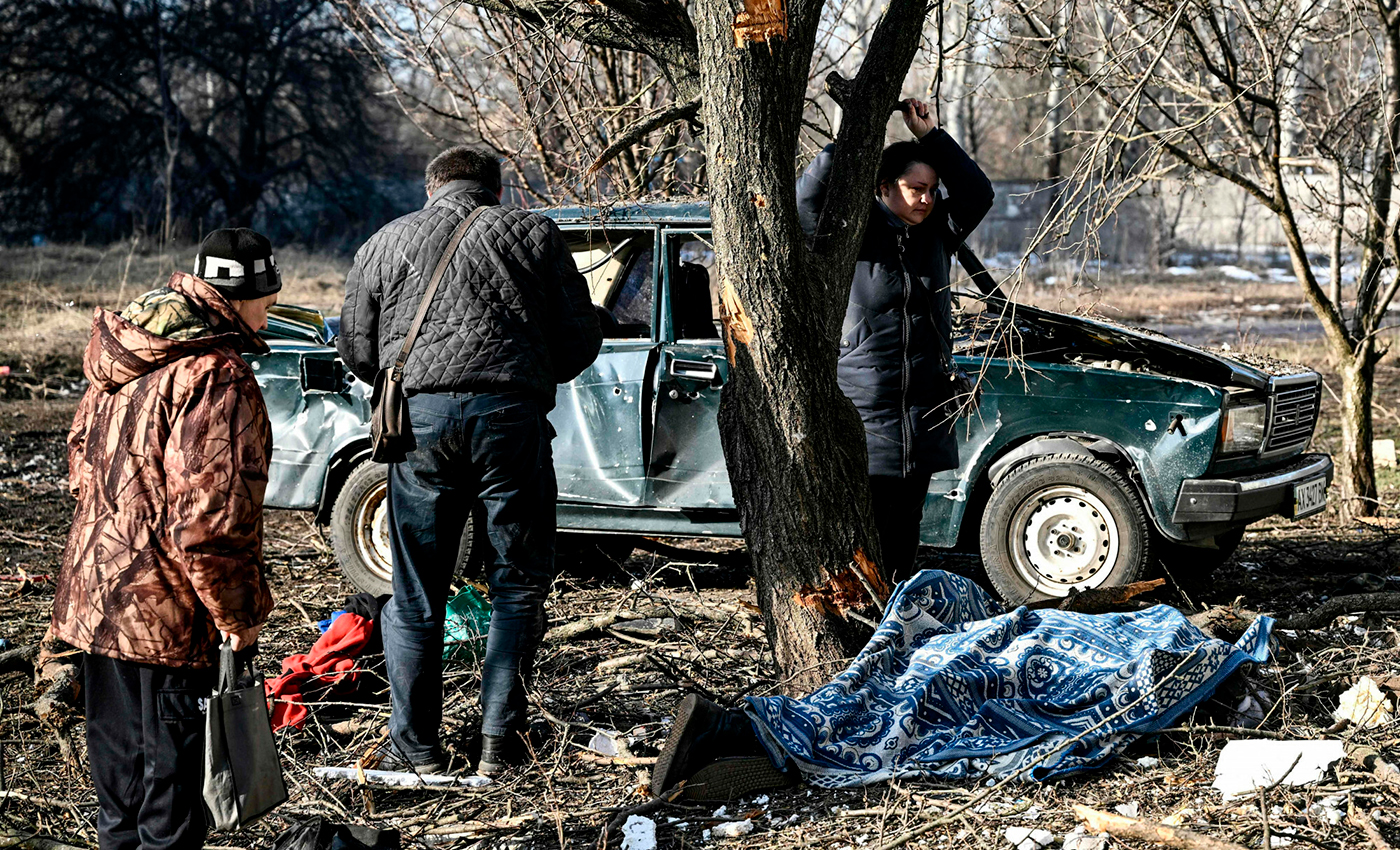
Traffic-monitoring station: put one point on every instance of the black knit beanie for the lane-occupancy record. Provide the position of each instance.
(238, 262)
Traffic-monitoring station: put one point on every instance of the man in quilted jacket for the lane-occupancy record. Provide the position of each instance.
(511, 320)
(168, 458)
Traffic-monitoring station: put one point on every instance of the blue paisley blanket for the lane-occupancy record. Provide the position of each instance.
(951, 687)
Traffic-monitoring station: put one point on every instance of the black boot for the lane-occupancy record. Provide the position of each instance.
(499, 752)
(716, 750)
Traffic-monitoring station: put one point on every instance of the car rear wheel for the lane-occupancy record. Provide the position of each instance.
(1063, 522)
(360, 532)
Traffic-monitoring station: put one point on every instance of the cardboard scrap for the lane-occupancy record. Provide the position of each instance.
(1248, 765)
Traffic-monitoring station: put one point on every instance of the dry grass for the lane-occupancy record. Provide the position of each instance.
(47, 294)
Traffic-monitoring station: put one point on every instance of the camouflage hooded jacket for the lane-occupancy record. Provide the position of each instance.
(168, 458)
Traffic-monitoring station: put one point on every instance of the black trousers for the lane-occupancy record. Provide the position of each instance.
(145, 740)
(899, 508)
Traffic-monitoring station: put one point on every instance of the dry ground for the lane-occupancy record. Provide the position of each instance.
(607, 679)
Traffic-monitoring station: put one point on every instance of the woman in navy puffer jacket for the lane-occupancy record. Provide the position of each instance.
(896, 341)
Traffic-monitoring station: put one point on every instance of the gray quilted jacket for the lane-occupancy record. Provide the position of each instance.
(512, 312)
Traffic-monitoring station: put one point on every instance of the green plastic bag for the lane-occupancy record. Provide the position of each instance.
(468, 619)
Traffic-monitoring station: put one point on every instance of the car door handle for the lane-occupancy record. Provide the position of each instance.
(694, 370)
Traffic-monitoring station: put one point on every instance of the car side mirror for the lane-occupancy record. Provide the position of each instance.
(323, 374)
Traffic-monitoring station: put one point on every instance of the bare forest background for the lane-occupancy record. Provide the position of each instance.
(312, 121)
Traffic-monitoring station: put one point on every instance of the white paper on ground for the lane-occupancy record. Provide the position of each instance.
(397, 779)
(733, 829)
(1026, 838)
(1245, 766)
(1365, 705)
(639, 833)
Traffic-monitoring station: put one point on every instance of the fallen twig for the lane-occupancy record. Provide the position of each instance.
(1099, 600)
(19, 660)
(1157, 833)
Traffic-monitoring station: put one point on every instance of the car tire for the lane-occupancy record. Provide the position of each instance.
(1192, 568)
(1059, 522)
(360, 532)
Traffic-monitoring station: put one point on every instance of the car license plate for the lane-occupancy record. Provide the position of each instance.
(1309, 497)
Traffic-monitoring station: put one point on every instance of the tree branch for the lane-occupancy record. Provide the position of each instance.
(639, 129)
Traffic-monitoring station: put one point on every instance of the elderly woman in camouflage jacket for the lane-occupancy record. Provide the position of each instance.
(168, 458)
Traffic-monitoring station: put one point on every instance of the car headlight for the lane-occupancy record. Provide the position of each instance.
(1243, 428)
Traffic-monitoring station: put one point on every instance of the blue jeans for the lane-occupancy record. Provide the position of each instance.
(488, 446)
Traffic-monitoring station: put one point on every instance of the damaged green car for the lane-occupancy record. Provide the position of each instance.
(1096, 450)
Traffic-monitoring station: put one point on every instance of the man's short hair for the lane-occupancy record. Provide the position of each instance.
(897, 159)
(463, 163)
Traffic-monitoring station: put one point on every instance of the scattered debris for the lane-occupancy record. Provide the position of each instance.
(639, 833)
(1028, 838)
(1128, 810)
(1246, 766)
(732, 829)
(1148, 762)
(1365, 705)
(605, 743)
(400, 779)
(1080, 839)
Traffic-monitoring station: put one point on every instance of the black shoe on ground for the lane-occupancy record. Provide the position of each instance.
(385, 756)
(501, 752)
(715, 750)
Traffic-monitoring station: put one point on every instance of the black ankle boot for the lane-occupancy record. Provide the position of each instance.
(499, 752)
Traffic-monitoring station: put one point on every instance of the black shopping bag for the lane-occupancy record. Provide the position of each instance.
(242, 776)
(321, 834)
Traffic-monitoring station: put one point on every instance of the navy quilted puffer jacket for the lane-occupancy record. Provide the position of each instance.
(512, 312)
(896, 341)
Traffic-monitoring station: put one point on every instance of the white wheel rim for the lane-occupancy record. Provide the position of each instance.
(372, 530)
(1064, 537)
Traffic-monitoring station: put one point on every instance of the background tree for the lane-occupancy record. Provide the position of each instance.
(120, 113)
(739, 73)
(1296, 102)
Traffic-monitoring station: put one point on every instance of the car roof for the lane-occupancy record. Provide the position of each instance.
(693, 213)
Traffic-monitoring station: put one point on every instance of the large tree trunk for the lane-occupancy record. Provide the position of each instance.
(1357, 475)
(793, 443)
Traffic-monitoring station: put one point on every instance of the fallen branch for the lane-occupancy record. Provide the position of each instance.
(1119, 826)
(599, 622)
(1363, 823)
(1370, 759)
(1099, 600)
(1335, 607)
(20, 841)
(20, 660)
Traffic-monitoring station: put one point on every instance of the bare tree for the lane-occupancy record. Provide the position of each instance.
(554, 105)
(1295, 102)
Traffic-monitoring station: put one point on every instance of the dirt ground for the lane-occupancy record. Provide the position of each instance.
(608, 679)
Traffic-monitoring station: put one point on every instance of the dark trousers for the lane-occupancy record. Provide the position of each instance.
(899, 508)
(495, 447)
(145, 742)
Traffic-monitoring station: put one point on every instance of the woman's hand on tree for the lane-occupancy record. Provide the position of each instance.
(918, 116)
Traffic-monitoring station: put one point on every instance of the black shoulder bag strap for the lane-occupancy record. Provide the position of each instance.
(431, 291)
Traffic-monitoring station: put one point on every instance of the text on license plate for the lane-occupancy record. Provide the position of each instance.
(1309, 497)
